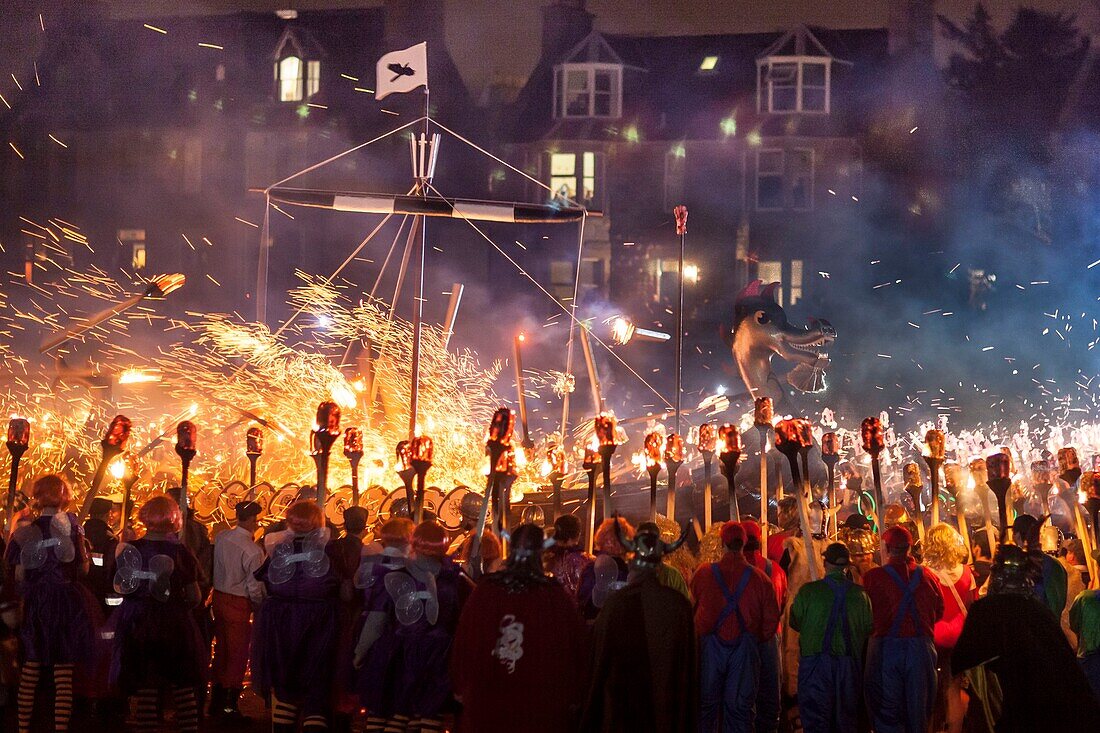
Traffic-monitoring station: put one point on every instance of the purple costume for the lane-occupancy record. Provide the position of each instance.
(405, 672)
(294, 642)
(58, 612)
(157, 640)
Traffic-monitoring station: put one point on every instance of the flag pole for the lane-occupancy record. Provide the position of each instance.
(423, 165)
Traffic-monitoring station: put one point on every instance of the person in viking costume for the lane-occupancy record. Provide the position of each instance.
(519, 657)
(159, 644)
(294, 648)
(644, 659)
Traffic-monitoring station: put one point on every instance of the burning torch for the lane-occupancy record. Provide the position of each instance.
(253, 449)
(653, 444)
(980, 473)
(19, 436)
(605, 433)
(952, 481)
(791, 437)
(112, 445)
(870, 432)
(915, 487)
(729, 457)
(935, 443)
(591, 464)
(185, 449)
(497, 443)
(326, 430)
(1042, 478)
(421, 448)
(762, 419)
(555, 460)
(353, 451)
(1069, 470)
(705, 445)
(830, 456)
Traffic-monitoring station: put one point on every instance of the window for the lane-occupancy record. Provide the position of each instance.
(288, 74)
(769, 180)
(793, 84)
(313, 78)
(588, 90)
(790, 290)
(802, 179)
(796, 281)
(561, 278)
(134, 240)
(771, 272)
(708, 63)
(570, 170)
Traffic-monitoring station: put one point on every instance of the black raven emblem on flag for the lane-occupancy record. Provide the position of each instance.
(401, 70)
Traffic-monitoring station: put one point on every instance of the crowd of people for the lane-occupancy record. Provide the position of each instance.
(400, 627)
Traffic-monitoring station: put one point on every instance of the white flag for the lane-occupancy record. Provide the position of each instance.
(402, 71)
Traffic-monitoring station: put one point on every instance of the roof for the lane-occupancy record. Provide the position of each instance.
(667, 97)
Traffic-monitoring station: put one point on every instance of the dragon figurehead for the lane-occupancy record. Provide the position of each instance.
(761, 330)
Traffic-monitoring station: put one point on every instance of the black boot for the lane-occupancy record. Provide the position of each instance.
(217, 700)
(229, 707)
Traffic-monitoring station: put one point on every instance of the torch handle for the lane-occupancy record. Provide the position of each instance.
(556, 480)
(109, 452)
(321, 459)
(876, 476)
(801, 488)
(252, 458)
(419, 516)
(127, 497)
(605, 463)
(763, 430)
(990, 532)
(670, 498)
(830, 469)
(354, 481)
(934, 479)
(1086, 538)
(13, 481)
(708, 508)
(653, 492)
(591, 511)
(482, 520)
(185, 502)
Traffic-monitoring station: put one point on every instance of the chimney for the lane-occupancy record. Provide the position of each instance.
(565, 23)
(912, 26)
(412, 21)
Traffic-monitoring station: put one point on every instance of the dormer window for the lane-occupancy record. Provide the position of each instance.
(297, 76)
(588, 90)
(794, 84)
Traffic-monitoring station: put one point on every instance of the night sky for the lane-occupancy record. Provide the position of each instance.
(482, 39)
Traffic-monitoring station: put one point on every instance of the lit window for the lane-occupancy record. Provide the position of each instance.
(790, 290)
(137, 262)
(313, 78)
(771, 272)
(793, 84)
(288, 74)
(588, 90)
(567, 173)
(802, 179)
(796, 281)
(769, 180)
(709, 62)
(135, 240)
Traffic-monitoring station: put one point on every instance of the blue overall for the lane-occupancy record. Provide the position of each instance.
(730, 671)
(768, 694)
(901, 671)
(829, 684)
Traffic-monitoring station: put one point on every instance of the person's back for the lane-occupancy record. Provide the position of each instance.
(1084, 620)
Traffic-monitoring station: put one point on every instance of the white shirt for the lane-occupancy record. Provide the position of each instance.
(236, 558)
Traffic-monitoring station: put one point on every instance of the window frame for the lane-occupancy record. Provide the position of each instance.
(583, 174)
(794, 175)
(560, 106)
(765, 85)
(299, 81)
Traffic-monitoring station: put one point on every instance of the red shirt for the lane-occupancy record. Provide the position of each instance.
(758, 605)
(949, 627)
(886, 597)
(777, 576)
(775, 544)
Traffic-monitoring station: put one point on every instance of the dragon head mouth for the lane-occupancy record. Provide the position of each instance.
(813, 339)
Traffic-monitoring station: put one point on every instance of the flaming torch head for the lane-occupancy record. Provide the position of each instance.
(1067, 460)
(328, 417)
(979, 472)
(555, 456)
(1041, 473)
(19, 432)
(254, 442)
(805, 433)
(165, 284)
(674, 448)
(605, 428)
(422, 449)
(591, 458)
(830, 446)
(186, 433)
(353, 443)
(936, 443)
(998, 467)
(653, 444)
(681, 214)
(404, 456)
(118, 432)
(787, 440)
(706, 437)
(500, 429)
(763, 415)
(870, 430)
(731, 439)
(952, 477)
(912, 474)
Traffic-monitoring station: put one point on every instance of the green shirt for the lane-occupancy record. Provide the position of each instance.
(810, 613)
(672, 578)
(1084, 620)
(1055, 583)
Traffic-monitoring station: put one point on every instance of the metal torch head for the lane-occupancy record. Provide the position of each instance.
(19, 432)
(165, 284)
(422, 448)
(654, 442)
(353, 443)
(911, 471)
(830, 445)
(1067, 460)
(591, 458)
(1004, 449)
(555, 456)
(1041, 472)
(404, 456)
(254, 442)
(979, 472)
(706, 437)
(681, 215)
(763, 413)
(674, 448)
(328, 417)
(605, 424)
(506, 464)
(805, 432)
(870, 431)
(1091, 488)
(936, 442)
(118, 432)
(952, 477)
(186, 432)
(998, 466)
(500, 429)
(730, 436)
(787, 439)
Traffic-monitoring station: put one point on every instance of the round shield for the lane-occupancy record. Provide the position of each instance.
(263, 492)
(204, 502)
(533, 514)
(371, 500)
(395, 505)
(450, 510)
(282, 499)
(433, 499)
(233, 493)
(335, 505)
